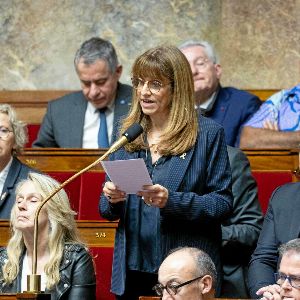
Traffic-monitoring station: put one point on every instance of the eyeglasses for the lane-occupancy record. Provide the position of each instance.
(293, 280)
(172, 287)
(4, 132)
(201, 63)
(154, 86)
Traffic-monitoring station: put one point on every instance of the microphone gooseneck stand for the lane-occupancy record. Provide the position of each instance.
(34, 280)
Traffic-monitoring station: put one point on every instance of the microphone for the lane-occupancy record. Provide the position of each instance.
(127, 137)
(34, 280)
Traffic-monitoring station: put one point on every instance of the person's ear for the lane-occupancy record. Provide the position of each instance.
(206, 284)
(218, 69)
(119, 70)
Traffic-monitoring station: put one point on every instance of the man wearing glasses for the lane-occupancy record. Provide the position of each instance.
(281, 224)
(288, 276)
(186, 273)
(227, 106)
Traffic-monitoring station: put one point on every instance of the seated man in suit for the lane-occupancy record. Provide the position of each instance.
(88, 118)
(287, 277)
(241, 230)
(186, 273)
(13, 137)
(276, 124)
(228, 106)
(281, 224)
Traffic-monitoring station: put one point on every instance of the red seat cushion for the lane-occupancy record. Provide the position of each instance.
(90, 191)
(72, 189)
(267, 182)
(33, 130)
(103, 262)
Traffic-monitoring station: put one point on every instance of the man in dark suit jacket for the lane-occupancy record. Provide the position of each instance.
(229, 107)
(73, 121)
(287, 275)
(281, 224)
(12, 139)
(241, 230)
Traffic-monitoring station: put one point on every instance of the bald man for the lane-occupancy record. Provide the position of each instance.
(187, 273)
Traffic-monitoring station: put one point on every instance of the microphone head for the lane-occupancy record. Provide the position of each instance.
(133, 132)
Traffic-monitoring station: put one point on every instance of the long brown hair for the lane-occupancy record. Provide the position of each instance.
(166, 63)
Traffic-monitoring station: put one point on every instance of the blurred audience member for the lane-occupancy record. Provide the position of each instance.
(228, 106)
(276, 124)
(241, 230)
(186, 273)
(13, 137)
(89, 118)
(287, 277)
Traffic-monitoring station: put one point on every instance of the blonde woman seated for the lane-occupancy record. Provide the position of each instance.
(64, 263)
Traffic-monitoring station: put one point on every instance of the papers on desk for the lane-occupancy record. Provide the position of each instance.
(129, 175)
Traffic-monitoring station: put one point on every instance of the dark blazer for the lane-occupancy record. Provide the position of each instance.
(281, 224)
(199, 185)
(232, 109)
(241, 230)
(76, 271)
(16, 173)
(62, 126)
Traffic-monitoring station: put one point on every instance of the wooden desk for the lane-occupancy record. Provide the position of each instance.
(94, 233)
(8, 296)
(31, 105)
(61, 159)
(274, 160)
(73, 160)
(27, 296)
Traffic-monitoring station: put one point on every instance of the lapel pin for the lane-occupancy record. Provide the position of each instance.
(3, 196)
(182, 156)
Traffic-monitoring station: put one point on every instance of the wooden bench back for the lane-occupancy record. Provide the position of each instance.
(271, 168)
(31, 105)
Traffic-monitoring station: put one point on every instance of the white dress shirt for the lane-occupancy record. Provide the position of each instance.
(3, 175)
(92, 125)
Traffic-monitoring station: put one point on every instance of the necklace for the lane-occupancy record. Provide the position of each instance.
(154, 147)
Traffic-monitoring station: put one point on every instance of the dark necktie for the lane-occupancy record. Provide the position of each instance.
(102, 133)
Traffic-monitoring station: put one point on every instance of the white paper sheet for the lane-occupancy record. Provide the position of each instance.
(129, 175)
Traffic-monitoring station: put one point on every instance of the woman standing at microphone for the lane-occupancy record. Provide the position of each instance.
(187, 160)
(65, 266)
